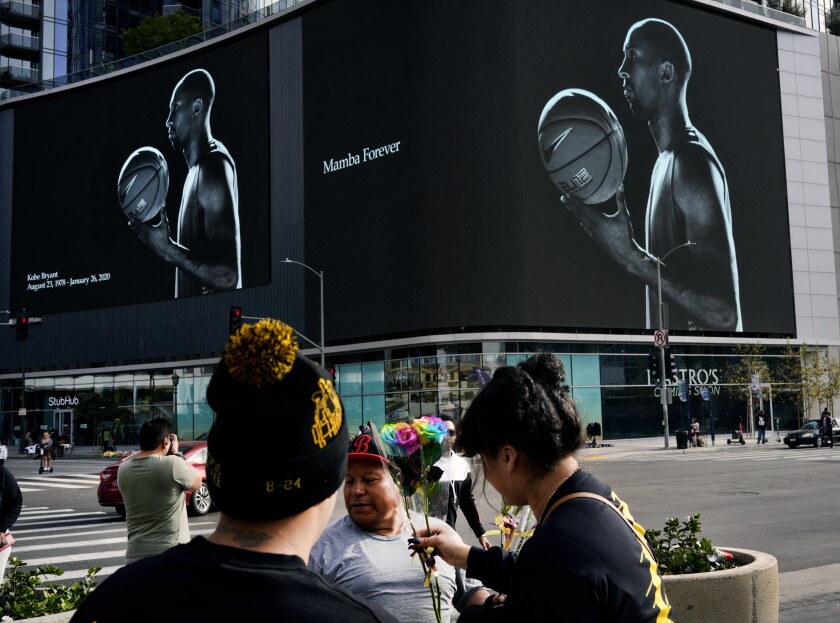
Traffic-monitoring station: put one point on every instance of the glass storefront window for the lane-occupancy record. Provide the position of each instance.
(373, 378)
(350, 379)
(353, 412)
(374, 409)
(584, 370)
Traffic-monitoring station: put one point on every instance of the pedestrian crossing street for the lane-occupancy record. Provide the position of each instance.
(75, 541)
(748, 453)
(57, 480)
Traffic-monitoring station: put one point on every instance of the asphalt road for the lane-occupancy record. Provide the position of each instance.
(769, 498)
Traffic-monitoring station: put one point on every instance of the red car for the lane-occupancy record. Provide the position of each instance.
(198, 502)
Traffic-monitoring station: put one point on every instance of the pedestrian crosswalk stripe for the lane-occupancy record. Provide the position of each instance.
(102, 515)
(58, 512)
(69, 544)
(65, 535)
(78, 574)
(50, 484)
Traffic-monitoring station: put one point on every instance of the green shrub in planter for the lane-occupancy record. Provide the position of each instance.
(24, 594)
(679, 550)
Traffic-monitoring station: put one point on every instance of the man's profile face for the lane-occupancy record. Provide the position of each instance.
(640, 74)
(179, 121)
(370, 495)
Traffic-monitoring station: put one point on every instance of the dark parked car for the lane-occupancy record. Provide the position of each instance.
(198, 502)
(809, 435)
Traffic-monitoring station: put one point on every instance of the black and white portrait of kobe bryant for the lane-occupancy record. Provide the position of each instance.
(688, 200)
(206, 249)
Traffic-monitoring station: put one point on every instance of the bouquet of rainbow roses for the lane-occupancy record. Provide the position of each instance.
(413, 447)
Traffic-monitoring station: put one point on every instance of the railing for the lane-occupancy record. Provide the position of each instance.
(12, 72)
(16, 40)
(108, 67)
(20, 9)
(758, 9)
(130, 61)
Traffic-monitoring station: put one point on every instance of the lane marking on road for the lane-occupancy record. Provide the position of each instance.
(51, 484)
(78, 574)
(70, 544)
(47, 521)
(42, 537)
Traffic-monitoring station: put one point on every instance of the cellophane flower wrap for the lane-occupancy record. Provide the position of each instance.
(413, 447)
(515, 525)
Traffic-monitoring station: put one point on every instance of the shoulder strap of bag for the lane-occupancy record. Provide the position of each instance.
(600, 498)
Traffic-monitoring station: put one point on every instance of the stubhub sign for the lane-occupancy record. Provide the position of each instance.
(66, 401)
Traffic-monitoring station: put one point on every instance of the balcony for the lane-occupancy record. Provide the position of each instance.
(758, 9)
(20, 46)
(11, 75)
(17, 13)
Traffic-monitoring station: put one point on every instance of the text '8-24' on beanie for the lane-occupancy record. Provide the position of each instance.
(263, 390)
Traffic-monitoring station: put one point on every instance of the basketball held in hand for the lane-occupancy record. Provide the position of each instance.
(582, 145)
(142, 185)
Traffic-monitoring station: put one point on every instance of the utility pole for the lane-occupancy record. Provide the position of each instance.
(663, 398)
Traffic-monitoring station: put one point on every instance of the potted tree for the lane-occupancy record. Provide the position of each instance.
(705, 584)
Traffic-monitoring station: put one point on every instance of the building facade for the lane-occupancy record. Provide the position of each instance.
(394, 150)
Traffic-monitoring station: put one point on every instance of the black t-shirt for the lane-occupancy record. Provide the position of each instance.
(201, 581)
(584, 565)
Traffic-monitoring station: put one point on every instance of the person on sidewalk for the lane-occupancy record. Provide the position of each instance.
(827, 428)
(457, 479)
(11, 503)
(273, 506)
(694, 433)
(45, 447)
(588, 559)
(153, 484)
(761, 426)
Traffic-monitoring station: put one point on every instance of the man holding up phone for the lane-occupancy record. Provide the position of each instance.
(153, 484)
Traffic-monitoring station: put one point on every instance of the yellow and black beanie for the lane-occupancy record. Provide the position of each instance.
(279, 442)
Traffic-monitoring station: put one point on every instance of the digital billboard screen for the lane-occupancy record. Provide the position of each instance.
(190, 132)
(440, 140)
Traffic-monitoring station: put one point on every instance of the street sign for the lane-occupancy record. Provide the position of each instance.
(660, 338)
(32, 320)
(705, 393)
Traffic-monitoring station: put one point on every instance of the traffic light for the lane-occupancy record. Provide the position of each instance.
(22, 327)
(670, 364)
(653, 368)
(235, 319)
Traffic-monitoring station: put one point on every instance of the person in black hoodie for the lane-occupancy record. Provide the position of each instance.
(11, 501)
(588, 559)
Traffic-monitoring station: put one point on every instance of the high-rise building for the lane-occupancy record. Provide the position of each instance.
(53, 42)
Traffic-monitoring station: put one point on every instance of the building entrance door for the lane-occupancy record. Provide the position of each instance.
(63, 424)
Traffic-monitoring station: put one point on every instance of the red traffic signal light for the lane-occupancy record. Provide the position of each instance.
(235, 319)
(22, 327)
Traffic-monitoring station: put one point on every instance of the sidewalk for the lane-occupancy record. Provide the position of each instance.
(77, 452)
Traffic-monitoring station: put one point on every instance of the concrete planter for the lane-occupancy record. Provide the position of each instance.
(747, 594)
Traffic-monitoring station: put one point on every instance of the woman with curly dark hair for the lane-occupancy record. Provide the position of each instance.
(588, 559)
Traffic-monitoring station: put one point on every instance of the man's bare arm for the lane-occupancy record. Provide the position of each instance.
(698, 277)
(215, 197)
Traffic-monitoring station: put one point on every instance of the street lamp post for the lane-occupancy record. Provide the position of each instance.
(663, 398)
(175, 379)
(321, 277)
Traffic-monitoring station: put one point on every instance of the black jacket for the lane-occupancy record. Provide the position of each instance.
(11, 500)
